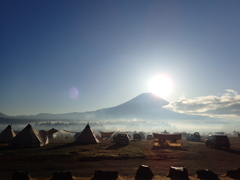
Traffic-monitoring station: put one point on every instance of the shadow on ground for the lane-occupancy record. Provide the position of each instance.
(135, 140)
(64, 146)
(231, 151)
(116, 146)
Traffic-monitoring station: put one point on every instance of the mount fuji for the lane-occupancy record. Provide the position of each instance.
(146, 106)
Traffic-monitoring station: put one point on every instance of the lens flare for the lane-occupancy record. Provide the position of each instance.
(73, 93)
(161, 85)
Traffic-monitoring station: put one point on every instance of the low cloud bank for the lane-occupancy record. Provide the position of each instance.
(226, 106)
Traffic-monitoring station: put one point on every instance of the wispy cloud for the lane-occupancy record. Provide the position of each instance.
(226, 106)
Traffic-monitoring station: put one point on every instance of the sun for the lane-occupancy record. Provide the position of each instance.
(161, 85)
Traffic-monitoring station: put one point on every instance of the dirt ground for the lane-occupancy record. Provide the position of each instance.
(156, 177)
(194, 156)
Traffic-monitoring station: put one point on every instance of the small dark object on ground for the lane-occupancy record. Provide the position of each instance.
(122, 138)
(144, 172)
(178, 173)
(102, 175)
(234, 174)
(206, 174)
(20, 175)
(62, 175)
(137, 136)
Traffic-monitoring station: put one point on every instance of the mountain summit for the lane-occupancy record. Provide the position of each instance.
(147, 100)
(144, 106)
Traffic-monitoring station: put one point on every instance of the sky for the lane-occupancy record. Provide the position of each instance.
(76, 56)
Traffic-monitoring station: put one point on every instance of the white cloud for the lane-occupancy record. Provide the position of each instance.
(226, 106)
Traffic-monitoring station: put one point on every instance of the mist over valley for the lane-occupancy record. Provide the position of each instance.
(145, 112)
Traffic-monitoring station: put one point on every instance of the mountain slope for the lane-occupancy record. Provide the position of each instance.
(146, 106)
(147, 100)
(3, 115)
(137, 107)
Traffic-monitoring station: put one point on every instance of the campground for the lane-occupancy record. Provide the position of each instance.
(83, 160)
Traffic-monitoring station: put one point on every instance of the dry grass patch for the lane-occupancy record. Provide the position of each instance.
(83, 160)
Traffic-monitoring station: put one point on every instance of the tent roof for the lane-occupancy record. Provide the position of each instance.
(106, 134)
(7, 134)
(87, 136)
(51, 131)
(28, 136)
(66, 132)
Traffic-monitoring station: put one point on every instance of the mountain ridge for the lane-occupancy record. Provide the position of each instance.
(146, 106)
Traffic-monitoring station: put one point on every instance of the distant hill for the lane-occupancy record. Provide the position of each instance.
(3, 115)
(146, 106)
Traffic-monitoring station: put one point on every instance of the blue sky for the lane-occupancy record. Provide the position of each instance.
(76, 56)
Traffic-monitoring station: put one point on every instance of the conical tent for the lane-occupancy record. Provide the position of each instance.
(87, 136)
(28, 137)
(7, 134)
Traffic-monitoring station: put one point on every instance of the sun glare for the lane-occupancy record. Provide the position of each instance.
(161, 85)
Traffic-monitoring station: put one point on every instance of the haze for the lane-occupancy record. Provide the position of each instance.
(62, 57)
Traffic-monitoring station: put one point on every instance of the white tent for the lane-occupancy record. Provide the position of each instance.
(52, 133)
(28, 137)
(65, 134)
(44, 136)
(7, 134)
(87, 136)
(106, 135)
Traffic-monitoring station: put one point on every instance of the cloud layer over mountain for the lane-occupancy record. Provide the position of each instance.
(226, 106)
